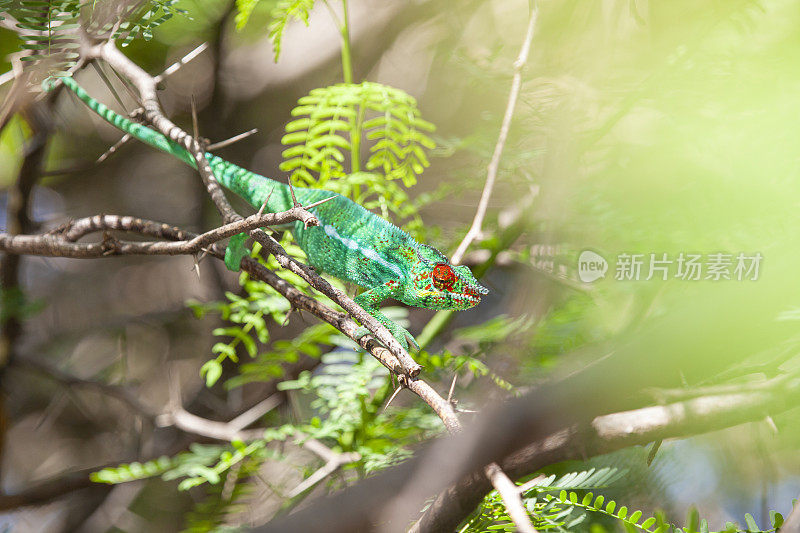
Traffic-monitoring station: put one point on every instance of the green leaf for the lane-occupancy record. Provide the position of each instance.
(212, 371)
(284, 12)
(751, 522)
(598, 503)
(244, 8)
(776, 519)
(244, 338)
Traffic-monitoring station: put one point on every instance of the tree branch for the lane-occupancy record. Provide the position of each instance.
(461, 457)
(792, 523)
(612, 432)
(146, 86)
(494, 164)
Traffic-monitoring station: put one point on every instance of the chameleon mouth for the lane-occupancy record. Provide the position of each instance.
(474, 292)
(470, 297)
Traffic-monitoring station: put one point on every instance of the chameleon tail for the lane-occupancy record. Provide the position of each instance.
(138, 131)
(254, 188)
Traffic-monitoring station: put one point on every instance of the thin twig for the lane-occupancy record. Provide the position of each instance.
(491, 171)
(326, 470)
(510, 494)
(452, 388)
(792, 523)
(116, 146)
(257, 411)
(179, 63)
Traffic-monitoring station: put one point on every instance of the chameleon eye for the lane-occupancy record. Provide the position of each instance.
(443, 276)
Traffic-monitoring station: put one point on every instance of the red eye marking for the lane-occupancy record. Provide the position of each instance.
(443, 276)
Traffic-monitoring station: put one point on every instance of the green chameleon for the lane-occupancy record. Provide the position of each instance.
(350, 242)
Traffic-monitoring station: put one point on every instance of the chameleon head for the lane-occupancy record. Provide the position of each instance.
(437, 284)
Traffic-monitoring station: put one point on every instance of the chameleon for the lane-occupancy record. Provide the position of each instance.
(350, 242)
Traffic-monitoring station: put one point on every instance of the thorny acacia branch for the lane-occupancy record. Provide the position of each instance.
(400, 359)
(63, 245)
(146, 86)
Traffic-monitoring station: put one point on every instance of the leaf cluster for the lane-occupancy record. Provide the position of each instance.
(48, 31)
(200, 464)
(50, 28)
(331, 124)
(347, 414)
(568, 509)
(247, 330)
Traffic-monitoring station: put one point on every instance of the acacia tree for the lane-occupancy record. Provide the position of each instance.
(388, 463)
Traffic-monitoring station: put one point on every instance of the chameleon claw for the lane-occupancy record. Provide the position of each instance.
(412, 342)
(398, 332)
(360, 332)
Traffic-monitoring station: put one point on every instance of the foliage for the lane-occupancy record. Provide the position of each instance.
(284, 12)
(329, 126)
(632, 521)
(568, 509)
(347, 416)
(143, 21)
(201, 464)
(50, 33)
(222, 500)
(492, 515)
(445, 361)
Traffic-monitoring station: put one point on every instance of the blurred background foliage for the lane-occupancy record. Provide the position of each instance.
(642, 127)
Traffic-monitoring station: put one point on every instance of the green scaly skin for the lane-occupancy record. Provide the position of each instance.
(350, 243)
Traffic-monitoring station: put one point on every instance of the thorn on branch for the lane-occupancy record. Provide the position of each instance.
(230, 141)
(392, 397)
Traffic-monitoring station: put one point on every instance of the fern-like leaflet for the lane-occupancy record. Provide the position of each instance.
(132, 20)
(632, 520)
(284, 12)
(48, 30)
(201, 464)
(329, 127)
(317, 138)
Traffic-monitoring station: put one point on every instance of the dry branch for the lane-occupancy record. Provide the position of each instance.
(146, 86)
(360, 505)
(494, 164)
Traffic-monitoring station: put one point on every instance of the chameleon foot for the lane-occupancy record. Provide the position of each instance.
(398, 332)
(235, 252)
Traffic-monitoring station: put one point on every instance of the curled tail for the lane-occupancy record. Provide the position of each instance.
(254, 188)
